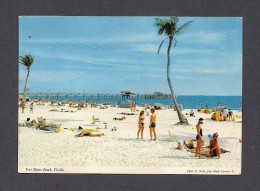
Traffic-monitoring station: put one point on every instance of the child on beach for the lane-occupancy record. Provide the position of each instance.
(200, 141)
(140, 124)
(152, 125)
(214, 147)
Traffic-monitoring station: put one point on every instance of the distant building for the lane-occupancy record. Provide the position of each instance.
(128, 94)
(158, 93)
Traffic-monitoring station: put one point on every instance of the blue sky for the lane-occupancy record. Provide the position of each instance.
(112, 54)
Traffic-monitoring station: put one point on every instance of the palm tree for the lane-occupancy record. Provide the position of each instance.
(170, 29)
(27, 61)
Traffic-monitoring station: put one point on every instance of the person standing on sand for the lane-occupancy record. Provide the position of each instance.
(23, 106)
(152, 125)
(31, 108)
(200, 141)
(140, 124)
(230, 113)
(225, 114)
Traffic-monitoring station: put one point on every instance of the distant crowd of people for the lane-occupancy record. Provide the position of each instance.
(222, 115)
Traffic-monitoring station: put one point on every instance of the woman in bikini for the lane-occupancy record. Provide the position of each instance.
(140, 125)
(200, 141)
(152, 125)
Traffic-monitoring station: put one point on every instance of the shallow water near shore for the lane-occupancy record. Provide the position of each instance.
(188, 101)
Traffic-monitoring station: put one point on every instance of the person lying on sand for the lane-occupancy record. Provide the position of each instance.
(85, 133)
(120, 119)
(43, 123)
(189, 145)
(123, 113)
(214, 147)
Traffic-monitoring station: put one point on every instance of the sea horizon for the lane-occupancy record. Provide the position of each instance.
(188, 101)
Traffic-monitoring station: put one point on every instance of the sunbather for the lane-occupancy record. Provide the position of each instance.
(214, 147)
(189, 145)
(120, 119)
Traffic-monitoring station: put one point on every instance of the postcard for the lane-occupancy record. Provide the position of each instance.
(130, 95)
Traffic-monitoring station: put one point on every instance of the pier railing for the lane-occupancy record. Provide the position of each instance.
(76, 95)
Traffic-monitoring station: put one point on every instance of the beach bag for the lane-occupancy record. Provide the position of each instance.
(179, 146)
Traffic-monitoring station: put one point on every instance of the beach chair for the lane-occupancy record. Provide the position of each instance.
(171, 135)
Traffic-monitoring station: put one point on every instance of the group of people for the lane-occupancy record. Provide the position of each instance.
(23, 107)
(222, 115)
(213, 144)
(152, 125)
(200, 106)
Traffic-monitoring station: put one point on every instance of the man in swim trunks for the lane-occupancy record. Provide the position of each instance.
(152, 125)
(214, 147)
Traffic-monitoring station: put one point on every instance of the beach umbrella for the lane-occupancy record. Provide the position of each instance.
(207, 111)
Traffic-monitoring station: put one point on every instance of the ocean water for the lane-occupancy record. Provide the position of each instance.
(188, 102)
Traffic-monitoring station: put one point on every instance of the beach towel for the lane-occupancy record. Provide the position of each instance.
(204, 150)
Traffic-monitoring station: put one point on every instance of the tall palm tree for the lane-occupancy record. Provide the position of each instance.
(170, 29)
(27, 61)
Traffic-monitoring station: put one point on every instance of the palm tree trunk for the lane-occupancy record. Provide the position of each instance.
(182, 118)
(25, 84)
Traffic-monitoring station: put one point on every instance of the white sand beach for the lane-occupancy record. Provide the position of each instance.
(121, 148)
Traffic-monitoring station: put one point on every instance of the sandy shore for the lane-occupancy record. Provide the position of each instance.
(121, 148)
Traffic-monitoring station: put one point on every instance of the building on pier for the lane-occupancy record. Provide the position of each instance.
(128, 94)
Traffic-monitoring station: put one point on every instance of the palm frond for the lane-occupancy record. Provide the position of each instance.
(174, 20)
(160, 46)
(180, 29)
(175, 42)
(26, 60)
(160, 24)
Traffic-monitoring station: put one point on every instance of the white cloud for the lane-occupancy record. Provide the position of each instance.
(154, 48)
(149, 37)
(201, 37)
